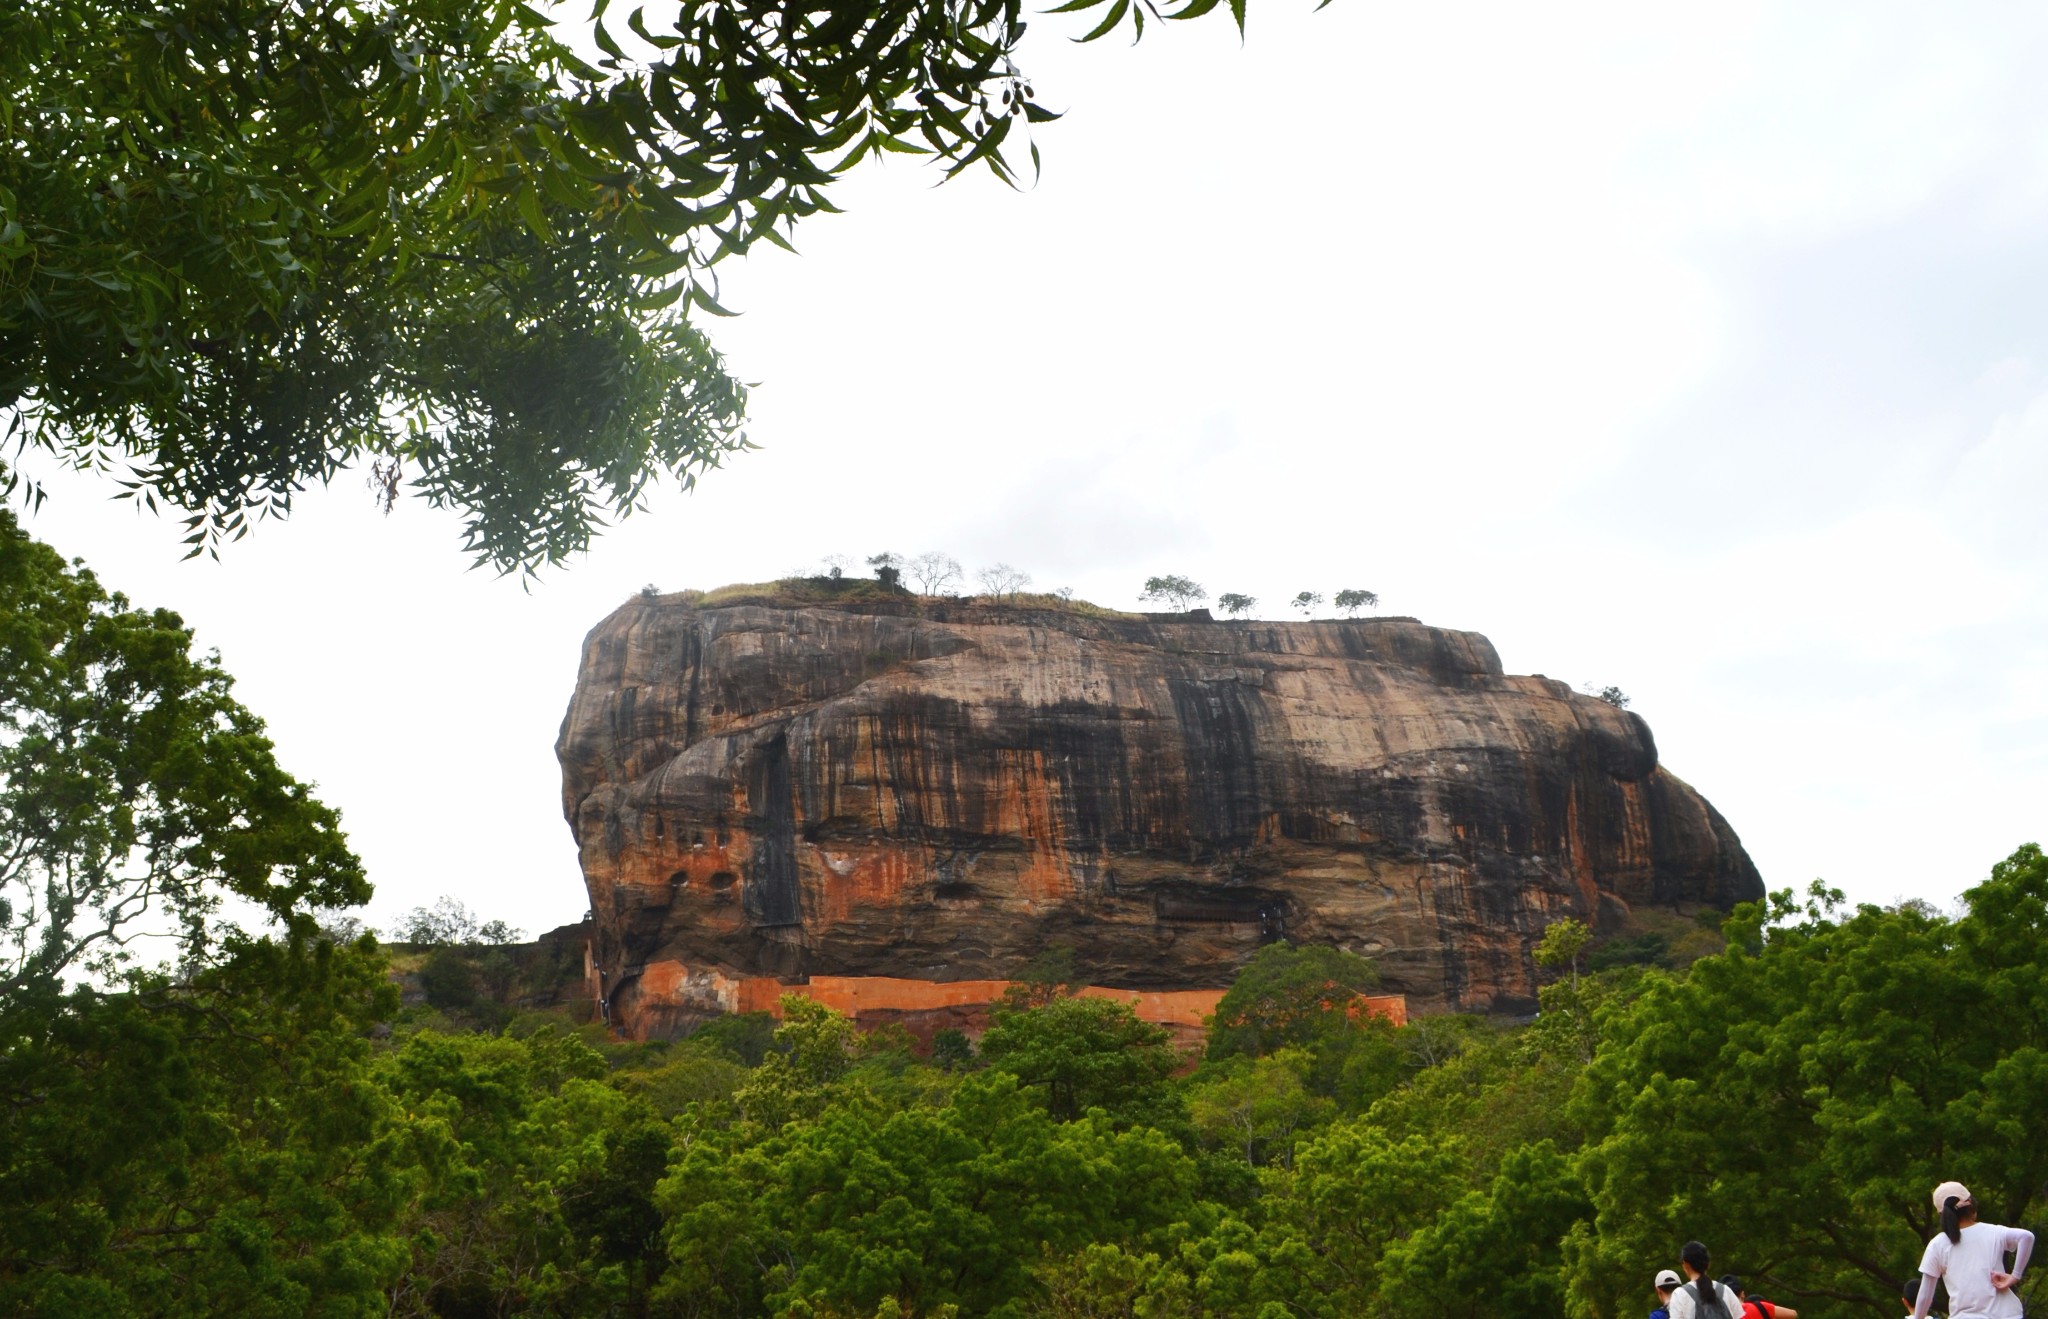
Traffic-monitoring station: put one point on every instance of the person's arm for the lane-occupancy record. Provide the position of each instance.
(2021, 1243)
(1925, 1300)
(1781, 1311)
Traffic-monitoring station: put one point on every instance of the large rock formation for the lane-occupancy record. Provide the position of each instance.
(940, 795)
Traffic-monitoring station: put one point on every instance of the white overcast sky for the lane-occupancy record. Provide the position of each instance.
(1702, 353)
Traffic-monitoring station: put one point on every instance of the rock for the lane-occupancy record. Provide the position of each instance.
(763, 791)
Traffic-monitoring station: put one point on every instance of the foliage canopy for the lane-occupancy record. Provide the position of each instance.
(135, 792)
(244, 244)
(1174, 589)
(270, 1149)
(247, 243)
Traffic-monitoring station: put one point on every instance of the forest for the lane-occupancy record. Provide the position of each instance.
(277, 1135)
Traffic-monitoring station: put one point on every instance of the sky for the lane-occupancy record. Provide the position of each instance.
(1704, 354)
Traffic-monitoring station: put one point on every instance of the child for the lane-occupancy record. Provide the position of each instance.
(1909, 1294)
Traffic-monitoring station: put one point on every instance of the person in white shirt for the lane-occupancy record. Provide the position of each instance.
(1702, 1298)
(1969, 1257)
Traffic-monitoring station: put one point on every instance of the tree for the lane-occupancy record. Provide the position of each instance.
(1053, 973)
(1180, 592)
(1565, 1020)
(1106, 1282)
(222, 274)
(1086, 1053)
(1611, 694)
(864, 1211)
(1561, 944)
(814, 1046)
(1001, 581)
(1307, 602)
(1289, 996)
(450, 922)
(1792, 1099)
(1257, 1104)
(888, 568)
(1353, 601)
(1230, 602)
(448, 980)
(225, 273)
(135, 793)
(208, 1145)
(1355, 1190)
(934, 572)
(1495, 1254)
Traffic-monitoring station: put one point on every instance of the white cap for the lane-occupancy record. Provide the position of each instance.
(1666, 1278)
(1947, 1191)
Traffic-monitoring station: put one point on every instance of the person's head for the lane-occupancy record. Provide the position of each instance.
(1696, 1262)
(1667, 1283)
(1733, 1282)
(1909, 1295)
(1958, 1210)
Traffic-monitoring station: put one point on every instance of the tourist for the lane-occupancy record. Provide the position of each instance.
(1968, 1257)
(1759, 1308)
(1667, 1282)
(1701, 1298)
(1909, 1295)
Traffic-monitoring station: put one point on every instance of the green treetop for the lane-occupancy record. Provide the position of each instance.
(136, 794)
(1289, 996)
(1180, 592)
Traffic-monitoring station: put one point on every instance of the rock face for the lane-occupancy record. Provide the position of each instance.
(940, 795)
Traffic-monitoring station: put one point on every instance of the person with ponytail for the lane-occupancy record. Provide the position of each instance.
(1702, 1298)
(1969, 1258)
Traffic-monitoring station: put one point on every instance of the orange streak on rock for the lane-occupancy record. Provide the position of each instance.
(1028, 811)
(876, 879)
(1635, 832)
(1575, 846)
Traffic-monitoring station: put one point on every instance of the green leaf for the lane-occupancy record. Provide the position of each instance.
(664, 41)
(701, 297)
(1116, 16)
(528, 200)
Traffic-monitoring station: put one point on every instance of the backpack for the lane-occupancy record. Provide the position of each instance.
(1699, 1304)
